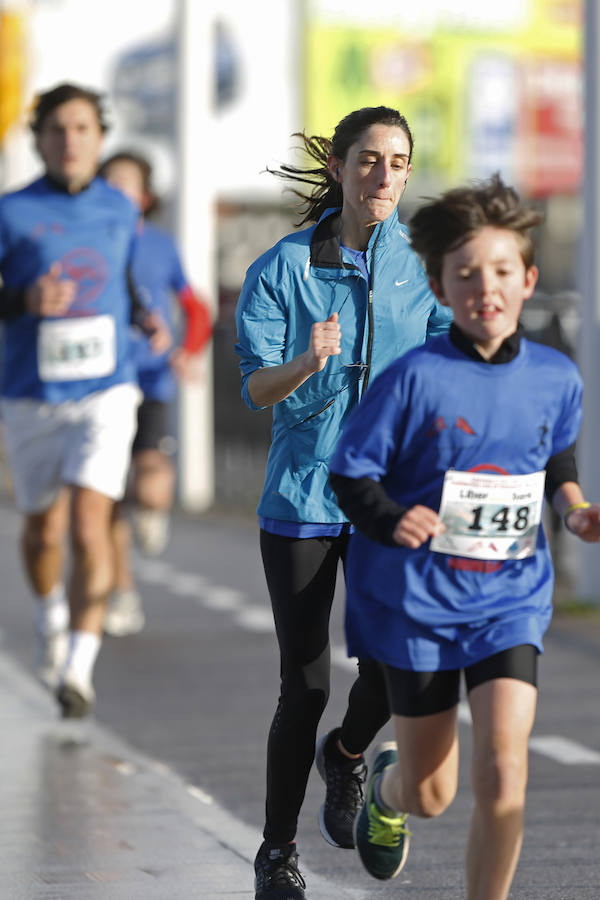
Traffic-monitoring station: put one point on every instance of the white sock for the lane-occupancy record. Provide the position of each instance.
(52, 611)
(83, 651)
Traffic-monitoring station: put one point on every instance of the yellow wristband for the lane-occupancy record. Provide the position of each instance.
(583, 505)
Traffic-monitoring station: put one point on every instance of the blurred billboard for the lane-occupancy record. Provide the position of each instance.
(485, 87)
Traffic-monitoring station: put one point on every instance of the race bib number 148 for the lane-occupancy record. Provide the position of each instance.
(490, 516)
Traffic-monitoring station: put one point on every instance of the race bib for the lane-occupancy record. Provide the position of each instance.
(490, 516)
(74, 349)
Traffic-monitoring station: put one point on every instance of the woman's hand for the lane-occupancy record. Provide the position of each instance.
(272, 384)
(325, 341)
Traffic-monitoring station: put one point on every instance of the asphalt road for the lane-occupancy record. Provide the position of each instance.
(197, 688)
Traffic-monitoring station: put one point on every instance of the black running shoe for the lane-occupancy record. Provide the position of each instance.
(277, 874)
(344, 797)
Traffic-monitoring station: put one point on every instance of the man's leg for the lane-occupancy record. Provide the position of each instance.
(154, 480)
(90, 583)
(42, 545)
(503, 713)
(92, 566)
(153, 487)
(153, 477)
(125, 614)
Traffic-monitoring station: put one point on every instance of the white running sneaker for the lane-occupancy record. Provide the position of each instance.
(51, 657)
(151, 530)
(125, 614)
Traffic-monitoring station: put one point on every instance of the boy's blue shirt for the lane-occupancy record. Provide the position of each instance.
(433, 410)
(91, 235)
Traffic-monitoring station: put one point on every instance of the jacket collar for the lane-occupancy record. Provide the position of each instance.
(325, 245)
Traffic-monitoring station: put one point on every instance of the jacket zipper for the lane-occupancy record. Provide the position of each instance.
(370, 319)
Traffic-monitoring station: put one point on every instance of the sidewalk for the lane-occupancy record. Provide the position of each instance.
(85, 816)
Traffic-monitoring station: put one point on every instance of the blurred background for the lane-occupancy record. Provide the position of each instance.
(212, 92)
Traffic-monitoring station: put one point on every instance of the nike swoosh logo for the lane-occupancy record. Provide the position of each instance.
(400, 283)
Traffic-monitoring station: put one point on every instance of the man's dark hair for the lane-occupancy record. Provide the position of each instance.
(446, 223)
(45, 103)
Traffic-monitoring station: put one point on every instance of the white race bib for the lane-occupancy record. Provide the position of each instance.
(73, 349)
(490, 516)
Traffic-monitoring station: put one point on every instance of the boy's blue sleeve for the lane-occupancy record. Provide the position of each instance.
(568, 425)
(372, 435)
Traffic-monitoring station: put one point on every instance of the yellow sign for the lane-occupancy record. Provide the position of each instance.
(12, 42)
(477, 99)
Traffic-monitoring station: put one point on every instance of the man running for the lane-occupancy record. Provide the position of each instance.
(69, 396)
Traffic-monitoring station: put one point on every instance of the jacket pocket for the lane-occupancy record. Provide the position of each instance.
(312, 432)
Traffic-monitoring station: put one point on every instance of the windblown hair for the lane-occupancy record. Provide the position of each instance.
(325, 192)
(444, 224)
(45, 103)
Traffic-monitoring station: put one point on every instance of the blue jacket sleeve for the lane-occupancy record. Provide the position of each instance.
(261, 320)
(439, 321)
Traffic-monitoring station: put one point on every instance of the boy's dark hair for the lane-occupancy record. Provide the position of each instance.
(145, 168)
(45, 103)
(445, 223)
(326, 192)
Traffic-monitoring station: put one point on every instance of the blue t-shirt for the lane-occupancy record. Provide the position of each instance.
(158, 274)
(91, 235)
(436, 409)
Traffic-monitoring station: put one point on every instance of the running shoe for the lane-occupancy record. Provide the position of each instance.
(344, 795)
(277, 874)
(381, 840)
(151, 530)
(124, 614)
(75, 697)
(51, 657)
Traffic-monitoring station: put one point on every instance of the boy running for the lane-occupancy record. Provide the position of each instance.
(476, 424)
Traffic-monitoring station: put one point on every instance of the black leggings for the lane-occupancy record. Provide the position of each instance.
(301, 575)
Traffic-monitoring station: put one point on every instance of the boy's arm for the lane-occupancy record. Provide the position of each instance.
(369, 507)
(580, 517)
(564, 493)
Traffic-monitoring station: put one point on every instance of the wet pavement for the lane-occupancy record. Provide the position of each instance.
(86, 816)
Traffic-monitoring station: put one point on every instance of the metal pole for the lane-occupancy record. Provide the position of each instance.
(588, 576)
(195, 230)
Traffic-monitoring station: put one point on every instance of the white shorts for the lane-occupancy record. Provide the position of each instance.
(86, 443)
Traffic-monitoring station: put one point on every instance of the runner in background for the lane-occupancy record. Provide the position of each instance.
(472, 424)
(69, 392)
(157, 271)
